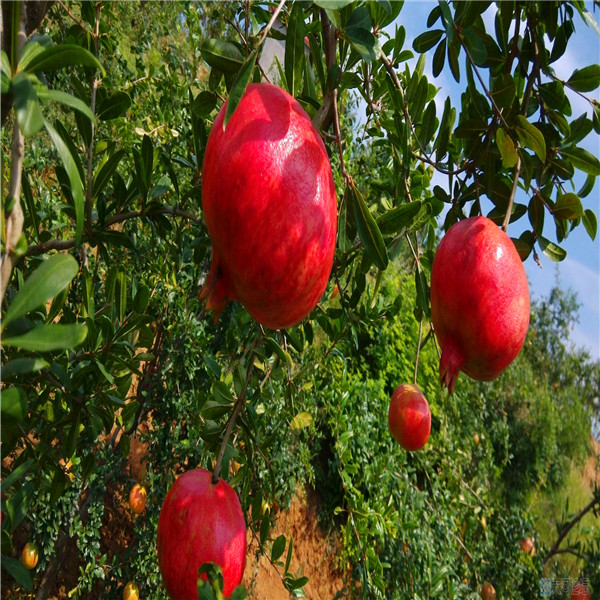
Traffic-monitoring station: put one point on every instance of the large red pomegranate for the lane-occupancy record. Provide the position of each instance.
(479, 301)
(269, 202)
(200, 522)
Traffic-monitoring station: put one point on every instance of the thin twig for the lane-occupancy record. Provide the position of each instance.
(485, 89)
(270, 24)
(418, 351)
(165, 210)
(239, 403)
(73, 16)
(441, 170)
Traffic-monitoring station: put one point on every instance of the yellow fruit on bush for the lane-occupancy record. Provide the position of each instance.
(131, 591)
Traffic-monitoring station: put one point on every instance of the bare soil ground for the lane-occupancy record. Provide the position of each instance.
(314, 556)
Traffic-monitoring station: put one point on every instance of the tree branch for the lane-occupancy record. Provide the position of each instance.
(322, 119)
(37, 249)
(89, 192)
(15, 219)
(565, 530)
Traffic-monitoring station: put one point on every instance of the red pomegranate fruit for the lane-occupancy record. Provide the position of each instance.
(580, 592)
(479, 301)
(409, 417)
(269, 202)
(488, 592)
(200, 522)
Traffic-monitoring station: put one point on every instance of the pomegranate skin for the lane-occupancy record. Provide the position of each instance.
(479, 301)
(269, 202)
(200, 522)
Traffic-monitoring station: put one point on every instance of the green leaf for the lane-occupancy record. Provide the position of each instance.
(121, 296)
(531, 137)
(476, 46)
(53, 275)
(103, 176)
(332, 4)
(288, 559)
(295, 584)
(46, 338)
(358, 30)
(204, 103)
(73, 149)
(439, 58)
(422, 292)
(14, 404)
(428, 124)
(551, 250)
(57, 57)
(364, 42)
(27, 107)
(16, 474)
(586, 79)
(590, 222)
(427, 40)
(443, 138)
(224, 56)
(504, 90)
(399, 218)
(524, 244)
(582, 159)
(369, 231)
(294, 49)
(74, 178)
(453, 51)
(114, 106)
(553, 94)
(301, 421)
(568, 206)
(239, 593)
(128, 414)
(238, 88)
(278, 548)
(18, 571)
(5, 64)
(36, 45)
(471, 128)
(23, 366)
(46, 95)
(508, 152)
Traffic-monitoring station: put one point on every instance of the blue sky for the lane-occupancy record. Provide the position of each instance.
(580, 271)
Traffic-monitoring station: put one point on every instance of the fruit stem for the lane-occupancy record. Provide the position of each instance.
(236, 410)
(418, 352)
